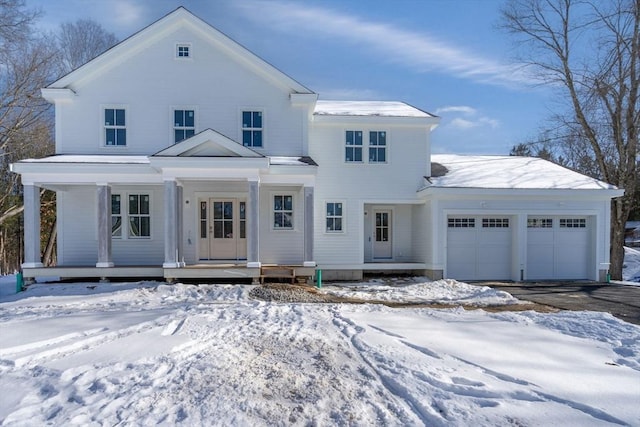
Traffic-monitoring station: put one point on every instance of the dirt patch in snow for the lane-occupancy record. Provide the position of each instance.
(280, 292)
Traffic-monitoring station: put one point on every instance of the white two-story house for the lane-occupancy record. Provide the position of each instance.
(180, 154)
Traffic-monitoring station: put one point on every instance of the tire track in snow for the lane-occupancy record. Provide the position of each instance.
(425, 414)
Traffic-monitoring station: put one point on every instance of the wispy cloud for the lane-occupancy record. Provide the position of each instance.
(464, 117)
(419, 51)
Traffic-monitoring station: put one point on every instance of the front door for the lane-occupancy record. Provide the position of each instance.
(223, 229)
(382, 235)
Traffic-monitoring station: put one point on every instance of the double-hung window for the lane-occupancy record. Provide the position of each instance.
(334, 217)
(115, 129)
(132, 219)
(353, 147)
(252, 129)
(139, 216)
(283, 212)
(377, 147)
(183, 124)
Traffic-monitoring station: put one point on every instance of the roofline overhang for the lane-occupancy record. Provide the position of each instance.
(584, 194)
(330, 119)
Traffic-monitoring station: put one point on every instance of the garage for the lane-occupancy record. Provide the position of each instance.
(557, 247)
(479, 247)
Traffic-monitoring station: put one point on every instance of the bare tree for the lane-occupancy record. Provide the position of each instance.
(81, 41)
(590, 52)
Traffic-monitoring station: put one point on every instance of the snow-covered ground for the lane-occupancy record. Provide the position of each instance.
(631, 270)
(148, 353)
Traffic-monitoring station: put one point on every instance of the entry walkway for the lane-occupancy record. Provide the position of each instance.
(619, 300)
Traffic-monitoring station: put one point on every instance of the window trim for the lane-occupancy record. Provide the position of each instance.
(378, 147)
(173, 129)
(262, 129)
(342, 217)
(103, 126)
(125, 231)
(353, 146)
(273, 210)
(176, 52)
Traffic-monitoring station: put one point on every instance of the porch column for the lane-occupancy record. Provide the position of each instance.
(253, 225)
(31, 226)
(170, 225)
(104, 226)
(308, 227)
(180, 234)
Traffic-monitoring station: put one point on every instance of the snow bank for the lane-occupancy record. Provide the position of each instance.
(421, 290)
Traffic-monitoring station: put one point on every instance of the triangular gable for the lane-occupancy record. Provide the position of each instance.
(179, 17)
(207, 143)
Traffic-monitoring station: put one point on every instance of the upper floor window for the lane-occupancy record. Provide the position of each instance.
(183, 124)
(353, 148)
(377, 147)
(183, 50)
(115, 129)
(252, 128)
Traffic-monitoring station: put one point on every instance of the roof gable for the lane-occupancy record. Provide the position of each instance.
(207, 143)
(180, 17)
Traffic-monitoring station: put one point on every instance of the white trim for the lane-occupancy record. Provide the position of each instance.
(172, 112)
(103, 136)
(189, 57)
(272, 213)
(343, 217)
(252, 109)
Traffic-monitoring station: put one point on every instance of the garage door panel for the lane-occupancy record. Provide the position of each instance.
(555, 251)
(477, 252)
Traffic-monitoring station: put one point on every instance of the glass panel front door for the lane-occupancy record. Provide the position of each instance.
(222, 229)
(382, 234)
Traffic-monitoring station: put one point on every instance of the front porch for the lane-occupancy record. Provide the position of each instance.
(214, 272)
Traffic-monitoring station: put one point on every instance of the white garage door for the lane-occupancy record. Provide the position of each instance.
(557, 247)
(479, 248)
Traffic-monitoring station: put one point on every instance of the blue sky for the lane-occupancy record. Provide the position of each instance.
(444, 56)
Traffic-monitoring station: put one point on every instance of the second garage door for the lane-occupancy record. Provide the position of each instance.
(479, 248)
(557, 247)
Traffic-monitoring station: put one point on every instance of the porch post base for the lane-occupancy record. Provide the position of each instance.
(171, 265)
(254, 264)
(104, 264)
(309, 264)
(32, 265)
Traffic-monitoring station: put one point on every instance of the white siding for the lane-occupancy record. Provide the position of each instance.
(152, 82)
(127, 251)
(281, 246)
(77, 232)
(393, 184)
(78, 239)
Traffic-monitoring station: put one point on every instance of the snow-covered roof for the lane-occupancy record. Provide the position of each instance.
(509, 172)
(292, 161)
(88, 158)
(368, 108)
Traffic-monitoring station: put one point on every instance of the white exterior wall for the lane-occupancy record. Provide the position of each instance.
(151, 83)
(393, 184)
(78, 235)
(518, 208)
(77, 226)
(281, 246)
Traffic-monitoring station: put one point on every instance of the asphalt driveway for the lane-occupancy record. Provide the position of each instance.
(619, 300)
